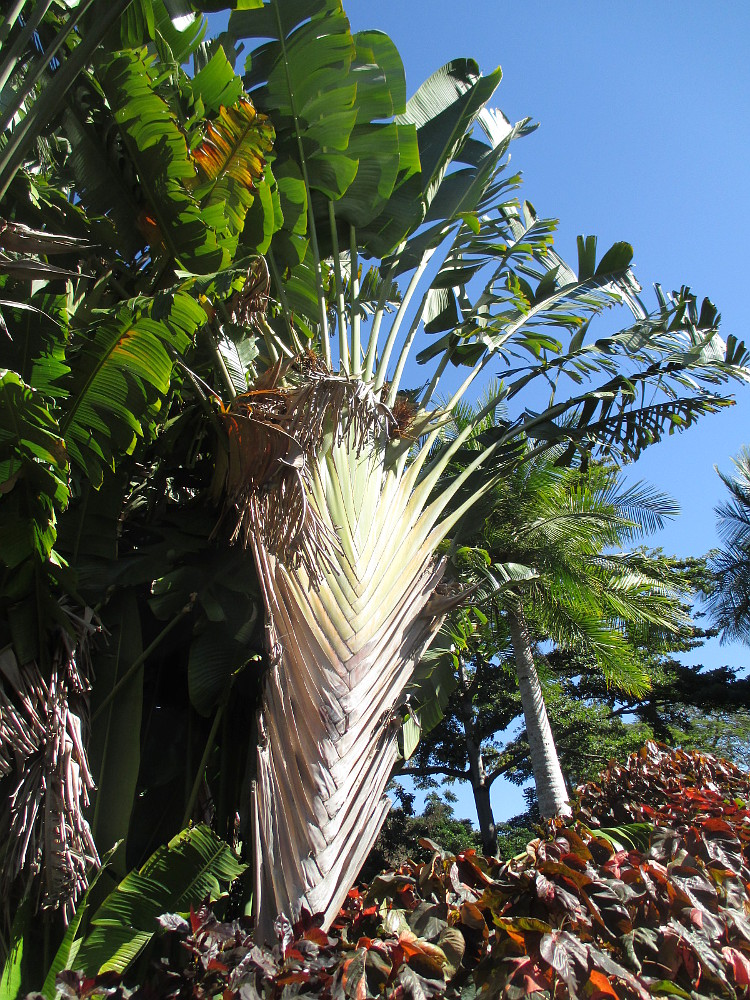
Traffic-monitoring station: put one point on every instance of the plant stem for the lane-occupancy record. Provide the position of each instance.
(356, 365)
(24, 37)
(41, 64)
(51, 97)
(372, 344)
(340, 306)
(221, 366)
(202, 766)
(138, 663)
(382, 372)
(10, 19)
(279, 284)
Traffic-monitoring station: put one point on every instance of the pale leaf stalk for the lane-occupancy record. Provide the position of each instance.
(382, 370)
(356, 315)
(24, 36)
(10, 19)
(275, 344)
(372, 344)
(435, 380)
(279, 285)
(403, 356)
(340, 304)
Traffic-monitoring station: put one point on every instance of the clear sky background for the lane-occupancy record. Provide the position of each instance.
(644, 137)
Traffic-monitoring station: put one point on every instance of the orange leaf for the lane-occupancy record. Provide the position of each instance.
(602, 984)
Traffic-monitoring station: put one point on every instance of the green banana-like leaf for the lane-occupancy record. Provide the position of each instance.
(115, 744)
(387, 151)
(119, 373)
(11, 977)
(331, 95)
(155, 21)
(33, 474)
(231, 161)
(215, 85)
(194, 866)
(442, 111)
(103, 190)
(65, 955)
(175, 224)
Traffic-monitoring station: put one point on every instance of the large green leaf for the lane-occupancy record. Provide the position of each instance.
(119, 372)
(65, 955)
(442, 112)
(195, 866)
(115, 745)
(302, 77)
(175, 224)
(102, 188)
(231, 162)
(11, 977)
(33, 473)
(331, 95)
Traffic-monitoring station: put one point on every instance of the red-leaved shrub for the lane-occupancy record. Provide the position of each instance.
(645, 893)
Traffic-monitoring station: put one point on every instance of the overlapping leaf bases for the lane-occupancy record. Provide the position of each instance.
(656, 906)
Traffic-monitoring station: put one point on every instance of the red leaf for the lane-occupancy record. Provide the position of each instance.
(195, 921)
(740, 965)
(318, 936)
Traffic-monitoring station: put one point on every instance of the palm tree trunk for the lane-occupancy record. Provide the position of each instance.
(550, 784)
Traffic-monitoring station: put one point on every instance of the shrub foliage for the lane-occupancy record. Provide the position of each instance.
(644, 893)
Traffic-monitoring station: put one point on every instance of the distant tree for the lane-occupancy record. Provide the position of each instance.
(545, 552)
(593, 722)
(404, 828)
(729, 604)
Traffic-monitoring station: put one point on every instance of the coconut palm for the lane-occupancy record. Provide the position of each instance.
(552, 567)
(729, 603)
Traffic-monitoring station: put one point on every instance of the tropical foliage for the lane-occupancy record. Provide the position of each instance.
(729, 604)
(102, 451)
(652, 906)
(544, 551)
(167, 390)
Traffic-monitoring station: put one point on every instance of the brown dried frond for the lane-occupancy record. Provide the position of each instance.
(274, 431)
(404, 410)
(250, 305)
(45, 774)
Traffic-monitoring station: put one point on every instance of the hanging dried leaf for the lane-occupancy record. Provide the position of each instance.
(45, 773)
(274, 434)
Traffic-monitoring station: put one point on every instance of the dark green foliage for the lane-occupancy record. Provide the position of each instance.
(404, 829)
(127, 217)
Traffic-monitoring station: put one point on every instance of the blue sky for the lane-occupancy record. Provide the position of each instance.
(644, 137)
